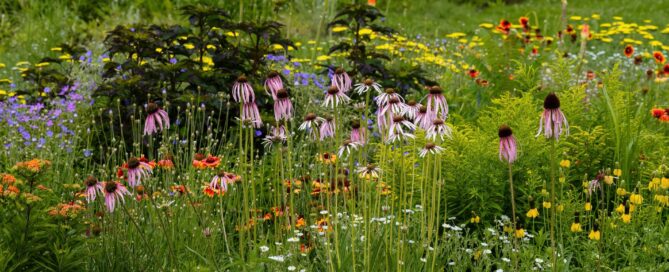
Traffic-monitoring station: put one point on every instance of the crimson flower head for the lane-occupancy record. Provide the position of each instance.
(659, 57)
(552, 119)
(629, 51)
(473, 73)
(657, 113)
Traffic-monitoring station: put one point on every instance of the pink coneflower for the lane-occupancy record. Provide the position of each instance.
(394, 106)
(277, 135)
(411, 110)
(366, 86)
(114, 192)
(242, 91)
(273, 84)
(424, 118)
(357, 135)
(137, 170)
(507, 144)
(399, 129)
(220, 181)
(383, 98)
(251, 114)
(92, 188)
(311, 121)
(334, 97)
(552, 119)
(438, 128)
(436, 102)
(341, 80)
(156, 115)
(430, 148)
(283, 108)
(327, 129)
(346, 147)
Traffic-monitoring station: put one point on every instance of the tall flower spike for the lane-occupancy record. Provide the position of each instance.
(158, 116)
(114, 192)
(552, 119)
(242, 91)
(341, 80)
(273, 84)
(507, 144)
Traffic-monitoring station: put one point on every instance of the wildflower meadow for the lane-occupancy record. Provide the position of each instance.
(390, 135)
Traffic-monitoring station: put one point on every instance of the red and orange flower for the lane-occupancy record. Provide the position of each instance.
(629, 51)
(659, 57)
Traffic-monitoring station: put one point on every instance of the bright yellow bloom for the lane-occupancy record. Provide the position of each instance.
(627, 218)
(664, 184)
(519, 233)
(339, 28)
(575, 227)
(486, 25)
(189, 46)
(608, 180)
(654, 184)
(158, 50)
(595, 235)
(565, 163)
(587, 206)
(533, 213)
(617, 172)
(475, 219)
(621, 191)
(636, 199)
(547, 204)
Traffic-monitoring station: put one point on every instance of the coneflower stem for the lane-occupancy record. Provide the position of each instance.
(513, 213)
(552, 211)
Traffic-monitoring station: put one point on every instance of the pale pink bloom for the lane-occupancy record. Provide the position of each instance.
(552, 119)
(438, 128)
(327, 129)
(341, 80)
(276, 135)
(283, 107)
(114, 192)
(251, 114)
(273, 84)
(507, 144)
(383, 98)
(366, 86)
(334, 97)
(311, 121)
(436, 102)
(92, 188)
(220, 181)
(411, 110)
(242, 91)
(400, 129)
(137, 170)
(424, 118)
(158, 116)
(430, 148)
(346, 147)
(357, 134)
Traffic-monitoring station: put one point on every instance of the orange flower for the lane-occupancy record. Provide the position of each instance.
(167, 164)
(659, 57)
(590, 75)
(473, 73)
(199, 164)
(525, 22)
(629, 51)
(181, 189)
(212, 161)
(300, 222)
(504, 26)
(657, 113)
(371, 3)
(664, 118)
(34, 165)
(8, 179)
